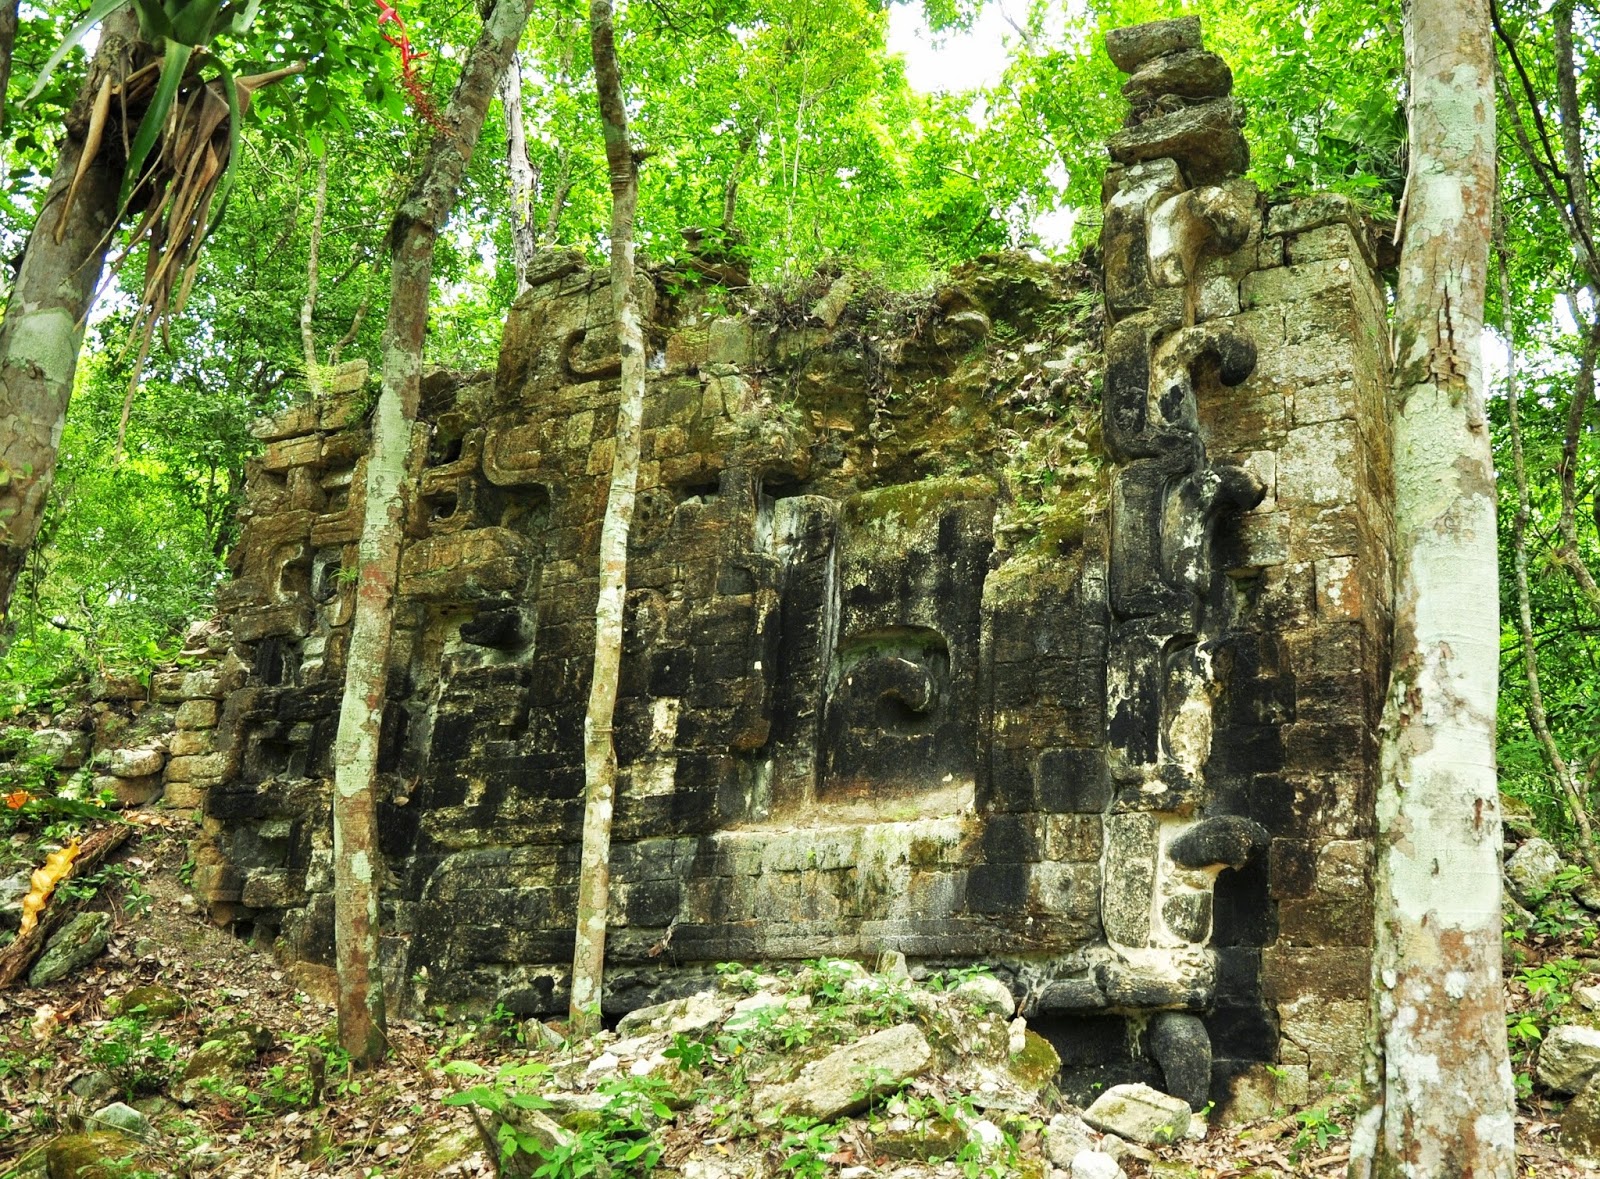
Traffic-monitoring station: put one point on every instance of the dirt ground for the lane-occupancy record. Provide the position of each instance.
(279, 1117)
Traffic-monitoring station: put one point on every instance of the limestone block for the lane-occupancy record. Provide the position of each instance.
(1182, 1047)
(183, 796)
(1317, 465)
(68, 748)
(293, 452)
(128, 792)
(1532, 870)
(1339, 589)
(1580, 1123)
(1217, 298)
(466, 565)
(1132, 47)
(1324, 1035)
(1295, 284)
(848, 1078)
(1094, 1164)
(1073, 838)
(197, 767)
(1130, 877)
(135, 763)
(114, 686)
(988, 995)
(75, 944)
(1225, 841)
(197, 714)
(186, 743)
(1190, 73)
(1205, 139)
(1140, 1114)
(205, 684)
(1569, 1057)
(289, 423)
(1064, 1136)
(1325, 403)
(1262, 1091)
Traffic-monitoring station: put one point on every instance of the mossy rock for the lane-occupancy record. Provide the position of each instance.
(1517, 816)
(940, 1138)
(152, 1000)
(1162, 1169)
(100, 1155)
(1037, 1065)
(438, 1147)
(904, 507)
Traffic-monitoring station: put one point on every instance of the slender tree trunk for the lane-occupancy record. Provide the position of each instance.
(308, 339)
(599, 750)
(416, 228)
(558, 198)
(523, 238)
(1441, 1075)
(8, 45)
(43, 327)
(1538, 720)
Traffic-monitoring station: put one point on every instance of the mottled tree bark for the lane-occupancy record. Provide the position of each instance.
(1441, 1076)
(524, 239)
(599, 750)
(8, 44)
(308, 306)
(44, 318)
(412, 236)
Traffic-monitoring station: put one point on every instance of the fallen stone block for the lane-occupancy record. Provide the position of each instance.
(1569, 1057)
(1140, 1114)
(847, 1079)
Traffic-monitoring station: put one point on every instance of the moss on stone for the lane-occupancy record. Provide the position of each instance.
(905, 506)
(940, 1138)
(88, 1156)
(1037, 1064)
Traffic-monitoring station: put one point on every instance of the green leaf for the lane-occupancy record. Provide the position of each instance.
(230, 91)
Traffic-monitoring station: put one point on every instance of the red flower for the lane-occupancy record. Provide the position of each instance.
(388, 14)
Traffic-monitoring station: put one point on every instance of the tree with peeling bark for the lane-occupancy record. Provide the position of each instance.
(599, 749)
(390, 470)
(519, 165)
(1442, 1098)
(44, 319)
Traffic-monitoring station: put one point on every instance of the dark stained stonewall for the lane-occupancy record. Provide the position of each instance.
(1205, 139)
(1229, 840)
(1130, 48)
(1182, 1047)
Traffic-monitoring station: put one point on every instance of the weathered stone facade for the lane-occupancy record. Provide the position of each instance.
(880, 690)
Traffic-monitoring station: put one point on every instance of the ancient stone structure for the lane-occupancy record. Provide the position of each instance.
(926, 652)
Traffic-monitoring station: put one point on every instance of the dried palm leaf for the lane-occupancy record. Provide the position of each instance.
(189, 177)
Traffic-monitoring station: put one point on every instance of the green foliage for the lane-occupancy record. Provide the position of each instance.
(805, 1146)
(621, 1142)
(138, 1058)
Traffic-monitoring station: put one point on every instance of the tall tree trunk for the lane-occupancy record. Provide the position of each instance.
(308, 339)
(8, 44)
(1441, 1075)
(524, 241)
(44, 318)
(558, 198)
(599, 750)
(416, 228)
(1538, 718)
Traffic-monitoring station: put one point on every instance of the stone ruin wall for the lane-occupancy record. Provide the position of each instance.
(1126, 755)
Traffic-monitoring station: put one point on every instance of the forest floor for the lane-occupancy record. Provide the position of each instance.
(283, 1106)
